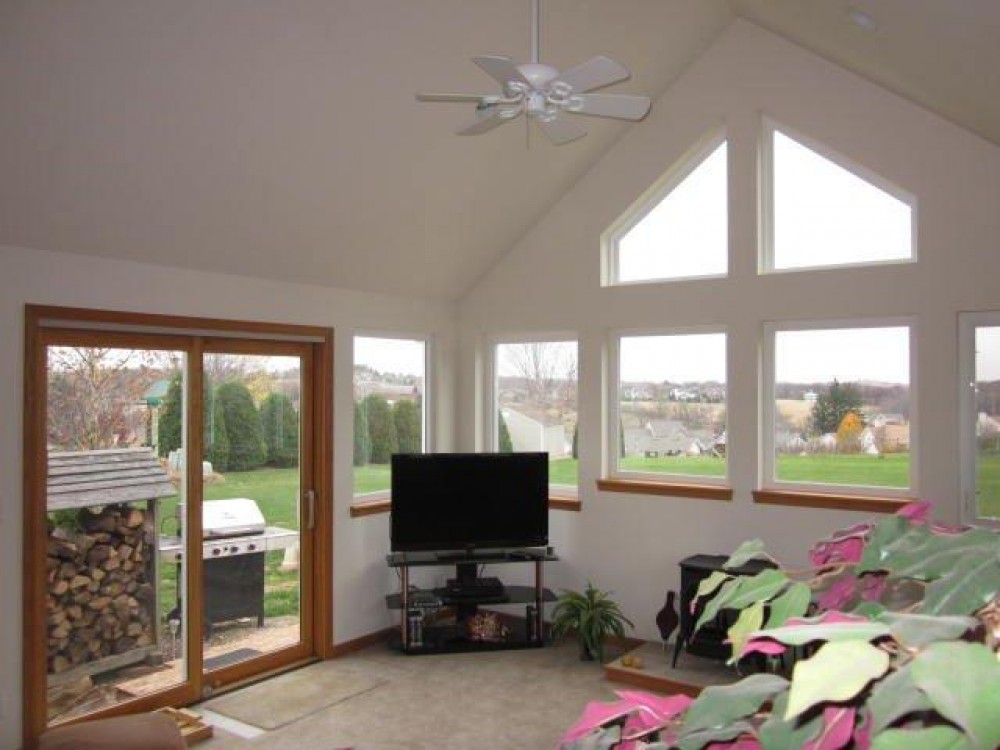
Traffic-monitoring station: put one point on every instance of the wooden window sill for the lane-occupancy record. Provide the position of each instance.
(666, 489)
(370, 508)
(830, 501)
(374, 507)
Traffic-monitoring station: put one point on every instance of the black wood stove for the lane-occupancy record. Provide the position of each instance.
(710, 639)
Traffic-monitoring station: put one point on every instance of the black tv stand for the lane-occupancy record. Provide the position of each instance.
(463, 600)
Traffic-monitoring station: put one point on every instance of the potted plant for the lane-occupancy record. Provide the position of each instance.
(592, 615)
(902, 623)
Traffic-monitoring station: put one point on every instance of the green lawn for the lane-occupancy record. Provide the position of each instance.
(887, 470)
(988, 480)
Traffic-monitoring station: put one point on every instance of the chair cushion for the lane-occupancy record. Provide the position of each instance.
(140, 732)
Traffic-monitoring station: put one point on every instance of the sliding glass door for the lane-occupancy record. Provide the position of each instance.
(173, 503)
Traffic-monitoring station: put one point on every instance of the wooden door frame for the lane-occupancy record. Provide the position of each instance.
(155, 330)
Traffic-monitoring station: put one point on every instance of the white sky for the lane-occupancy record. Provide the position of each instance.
(679, 359)
(847, 354)
(687, 233)
(987, 353)
(402, 356)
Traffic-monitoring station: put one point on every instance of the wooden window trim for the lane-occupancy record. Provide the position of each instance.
(666, 489)
(830, 501)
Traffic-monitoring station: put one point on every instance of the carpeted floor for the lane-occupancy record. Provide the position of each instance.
(519, 700)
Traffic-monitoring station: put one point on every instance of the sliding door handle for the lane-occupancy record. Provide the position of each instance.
(310, 509)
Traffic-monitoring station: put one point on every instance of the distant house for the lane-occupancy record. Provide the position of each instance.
(536, 430)
(667, 437)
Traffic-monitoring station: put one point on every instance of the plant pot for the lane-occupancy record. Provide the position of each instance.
(585, 654)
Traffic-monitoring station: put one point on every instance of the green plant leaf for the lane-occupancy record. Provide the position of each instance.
(713, 605)
(894, 697)
(926, 556)
(931, 738)
(749, 550)
(917, 631)
(962, 681)
(710, 583)
(793, 603)
(698, 740)
(798, 635)
(885, 533)
(870, 610)
(837, 672)
(719, 706)
(777, 734)
(750, 619)
(974, 583)
(760, 587)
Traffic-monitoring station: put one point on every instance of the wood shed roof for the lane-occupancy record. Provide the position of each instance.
(78, 479)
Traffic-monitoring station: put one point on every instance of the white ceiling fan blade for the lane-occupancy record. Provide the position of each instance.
(594, 74)
(501, 69)
(488, 118)
(560, 129)
(622, 106)
(483, 98)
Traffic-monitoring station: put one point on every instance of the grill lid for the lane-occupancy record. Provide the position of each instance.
(237, 516)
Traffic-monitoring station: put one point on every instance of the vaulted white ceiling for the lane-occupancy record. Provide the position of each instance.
(281, 139)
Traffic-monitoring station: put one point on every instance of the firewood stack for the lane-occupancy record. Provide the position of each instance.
(101, 596)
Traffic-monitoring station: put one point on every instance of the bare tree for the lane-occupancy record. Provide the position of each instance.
(548, 369)
(94, 395)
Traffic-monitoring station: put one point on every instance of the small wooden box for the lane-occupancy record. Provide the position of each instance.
(193, 729)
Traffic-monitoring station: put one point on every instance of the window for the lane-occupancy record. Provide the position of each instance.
(389, 407)
(825, 213)
(980, 401)
(840, 411)
(535, 391)
(670, 394)
(679, 229)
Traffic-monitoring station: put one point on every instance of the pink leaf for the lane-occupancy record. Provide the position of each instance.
(916, 511)
(839, 594)
(640, 723)
(665, 707)
(630, 745)
(863, 731)
(872, 587)
(847, 550)
(763, 646)
(841, 546)
(838, 726)
(596, 714)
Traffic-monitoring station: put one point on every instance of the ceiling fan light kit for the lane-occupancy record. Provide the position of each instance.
(545, 96)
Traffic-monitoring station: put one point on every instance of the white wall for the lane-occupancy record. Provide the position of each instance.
(632, 544)
(360, 577)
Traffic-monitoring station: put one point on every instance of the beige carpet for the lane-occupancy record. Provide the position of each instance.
(274, 703)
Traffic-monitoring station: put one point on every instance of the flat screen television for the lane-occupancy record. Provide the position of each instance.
(469, 501)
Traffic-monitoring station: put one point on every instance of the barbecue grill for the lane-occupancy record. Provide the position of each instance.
(235, 542)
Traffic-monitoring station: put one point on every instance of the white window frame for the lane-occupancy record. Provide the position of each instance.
(767, 423)
(649, 200)
(765, 264)
(492, 373)
(967, 324)
(613, 411)
(425, 417)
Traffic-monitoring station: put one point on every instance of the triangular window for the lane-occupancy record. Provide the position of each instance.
(679, 229)
(825, 214)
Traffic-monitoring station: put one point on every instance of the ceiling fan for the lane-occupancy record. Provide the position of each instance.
(545, 95)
